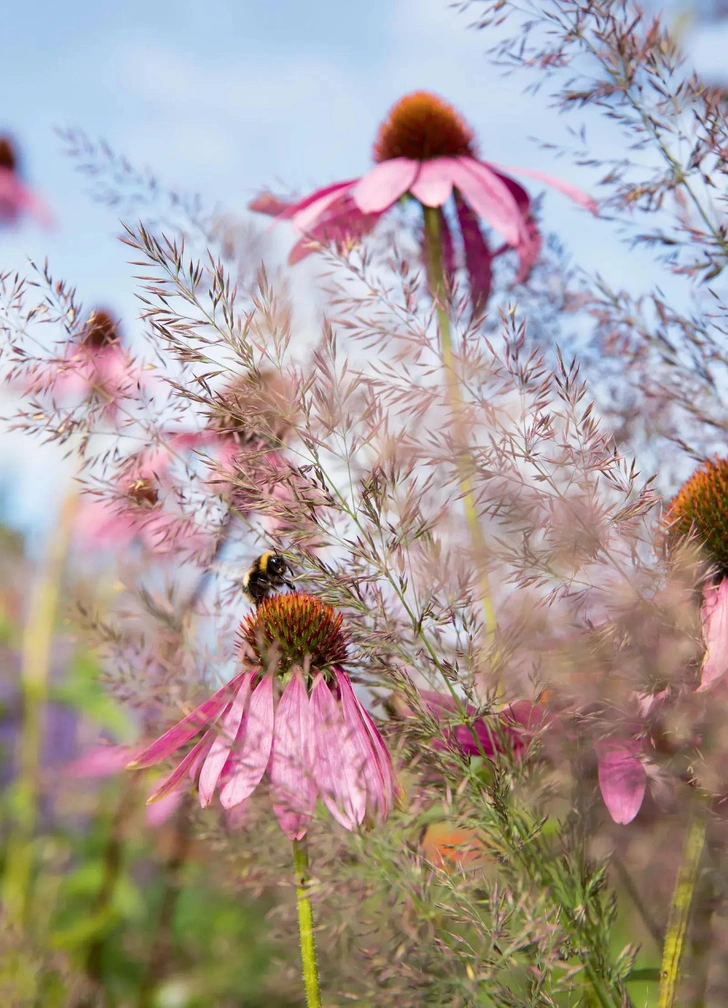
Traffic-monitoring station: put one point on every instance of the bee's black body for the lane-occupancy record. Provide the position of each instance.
(267, 574)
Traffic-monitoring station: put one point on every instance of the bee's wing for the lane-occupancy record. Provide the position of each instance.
(228, 570)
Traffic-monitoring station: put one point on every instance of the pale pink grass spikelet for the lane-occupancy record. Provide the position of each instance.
(290, 714)
(424, 149)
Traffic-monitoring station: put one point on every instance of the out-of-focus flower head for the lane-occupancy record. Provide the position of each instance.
(15, 197)
(700, 509)
(290, 713)
(134, 510)
(425, 150)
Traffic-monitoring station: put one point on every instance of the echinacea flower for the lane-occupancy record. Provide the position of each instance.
(15, 197)
(699, 509)
(290, 714)
(425, 150)
(94, 366)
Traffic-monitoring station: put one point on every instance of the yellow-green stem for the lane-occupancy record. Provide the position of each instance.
(682, 900)
(305, 925)
(36, 651)
(436, 274)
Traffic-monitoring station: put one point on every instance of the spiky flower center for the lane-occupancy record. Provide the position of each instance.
(7, 154)
(297, 629)
(422, 126)
(701, 507)
(142, 492)
(100, 331)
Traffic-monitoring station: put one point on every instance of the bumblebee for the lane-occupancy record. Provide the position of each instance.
(266, 575)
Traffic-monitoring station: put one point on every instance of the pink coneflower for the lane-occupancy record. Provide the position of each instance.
(698, 512)
(95, 364)
(291, 714)
(15, 198)
(425, 150)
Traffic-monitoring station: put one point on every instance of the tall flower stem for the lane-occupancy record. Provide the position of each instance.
(438, 290)
(35, 666)
(680, 906)
(305, 925)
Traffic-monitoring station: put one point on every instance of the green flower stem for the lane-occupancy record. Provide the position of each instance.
(35, 664)
(436, 275)
(680, 906)
(305, 925)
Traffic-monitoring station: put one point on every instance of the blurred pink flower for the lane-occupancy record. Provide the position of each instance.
(714, 614)
(108, 760)
(308, 731)
(94, 365)
(15, 198)
(135, 510)
(424, 149)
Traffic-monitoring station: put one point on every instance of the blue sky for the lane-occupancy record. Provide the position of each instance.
(227, 97)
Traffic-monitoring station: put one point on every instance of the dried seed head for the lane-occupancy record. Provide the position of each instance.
(701, 507)
(8, 158)
(101, 330)
(252, 407)
(422, 126)
(142, 492)
(298, 628)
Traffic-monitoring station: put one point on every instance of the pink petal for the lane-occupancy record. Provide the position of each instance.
(478, 257)
(376, 763)
(218, 755)
(187, 766)
(293, 759)
(338, 769)
(344, 221)
(489, 197)
(622, 779)
(319, 194)
(184, 730)
(384, 184)
(434, 182)
(251, 752)
(101, 761)
(269, 204)
(714, 614)
(160, 811)
(572, 191)
(310, 216)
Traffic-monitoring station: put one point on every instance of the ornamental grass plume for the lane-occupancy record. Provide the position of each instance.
(425, 150)
(290, 712)
(700, 510)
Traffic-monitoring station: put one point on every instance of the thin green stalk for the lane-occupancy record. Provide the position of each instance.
(35, 665)
(436, 274)
(682, 900)
(305, 925)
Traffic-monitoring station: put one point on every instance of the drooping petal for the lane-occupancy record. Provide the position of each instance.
(622, 779)
(218, 755)
(489, 197)
(189, 726)
(292, 760)
(303, 220)
(338, 761)
(376, 763)
(343, 222)
(434, 182)
(529, 249)
(478, 257)
(384, 184)
(714, 614)
(270, 204)
(186, 766)
(251, 752)
(572, 191)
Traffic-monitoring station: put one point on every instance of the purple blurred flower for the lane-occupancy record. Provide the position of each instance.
(307, 731)
(622, 777)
